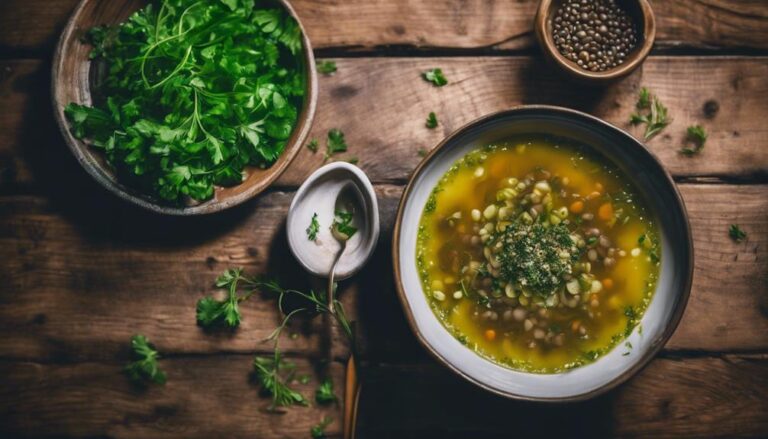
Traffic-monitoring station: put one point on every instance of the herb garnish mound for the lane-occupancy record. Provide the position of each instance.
(537, 257)
(194, 91)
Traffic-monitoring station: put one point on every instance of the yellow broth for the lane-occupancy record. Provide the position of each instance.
(508, 321)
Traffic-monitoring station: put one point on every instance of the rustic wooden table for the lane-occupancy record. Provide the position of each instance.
(80, 271)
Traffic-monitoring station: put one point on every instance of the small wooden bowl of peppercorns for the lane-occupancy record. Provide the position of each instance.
(596, 41)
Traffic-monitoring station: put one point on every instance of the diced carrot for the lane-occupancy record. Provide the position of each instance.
(575, 325)
(490, 334)
(605, 212)
(608, 283)
(577, 206)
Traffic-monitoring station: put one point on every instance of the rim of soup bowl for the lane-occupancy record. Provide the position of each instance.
(656, 345)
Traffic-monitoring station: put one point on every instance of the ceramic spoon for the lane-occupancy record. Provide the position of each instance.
(334, 255)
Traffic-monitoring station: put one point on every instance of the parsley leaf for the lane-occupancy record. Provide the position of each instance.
(318, 431)
(324, 393)
(343, 223)
(422, 152)
(145, 368)
(697, 137)
(335, 143)
(432, 121)
(312, 145)
(187, 105)
(650, 112)
(212, 313)
(435, 76)
(353, 160)
(313, 229)
(326, 67)
(274, 375)
(736, 234)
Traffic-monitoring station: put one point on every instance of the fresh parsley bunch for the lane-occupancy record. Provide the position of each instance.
(194, 91)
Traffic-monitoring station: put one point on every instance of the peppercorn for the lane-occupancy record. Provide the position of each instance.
(597, 35)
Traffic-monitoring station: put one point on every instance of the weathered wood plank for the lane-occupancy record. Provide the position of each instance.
(381, 105)
(79, 280)
(702, 397)
(203, 398)
(33, 25)
(213, 397)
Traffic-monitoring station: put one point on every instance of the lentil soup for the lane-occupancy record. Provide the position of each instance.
(537, 254)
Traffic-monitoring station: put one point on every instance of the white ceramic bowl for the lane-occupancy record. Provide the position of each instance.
(651, 180)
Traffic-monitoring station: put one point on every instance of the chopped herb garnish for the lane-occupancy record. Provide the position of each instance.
(651, 112)
(313, 229)
(324, 393)
(353, 160)
(326, 67)
(312, 145)
(422, 152)
(343, 223)
(432, 121)
(304, 379)
(335, 143)
(318, 431)
(641, 239)
(274, 375)
(435, 76)
(736, 234)
(531, 256)
(145, 368)
(696, 136)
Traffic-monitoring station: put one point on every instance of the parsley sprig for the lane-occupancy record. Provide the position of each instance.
(335, 143)
(212, 312)
(736, 234)
(696, 136)
(313, 229)
(431, 121)
(343, 223)
(324, 393)
(145, 368)
(274, 375)
(326, 67)
(435, 76)
(651, 112)
(318, 431)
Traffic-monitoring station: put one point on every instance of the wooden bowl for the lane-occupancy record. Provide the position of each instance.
(642, 13)
(72, 79)
(653, 183)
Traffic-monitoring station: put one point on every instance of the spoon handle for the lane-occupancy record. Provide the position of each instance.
(351, 399)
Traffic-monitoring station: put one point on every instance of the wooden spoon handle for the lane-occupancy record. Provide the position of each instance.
(351, 399)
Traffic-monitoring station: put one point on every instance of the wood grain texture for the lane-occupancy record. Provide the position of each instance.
(381, 105)
(79, 280)
(33, 25)
(213, 397)
(203, 398)
(701, 397)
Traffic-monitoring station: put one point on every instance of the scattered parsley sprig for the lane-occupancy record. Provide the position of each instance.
(313, 229)
(145, 369)
(318, 431)
(435, 76)
(431, 121)
(326, 67)
(697, 137)
(651, 112)
(736, 234)
(335, 143)
(274, 375)
(324, 393)
(212, 312)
